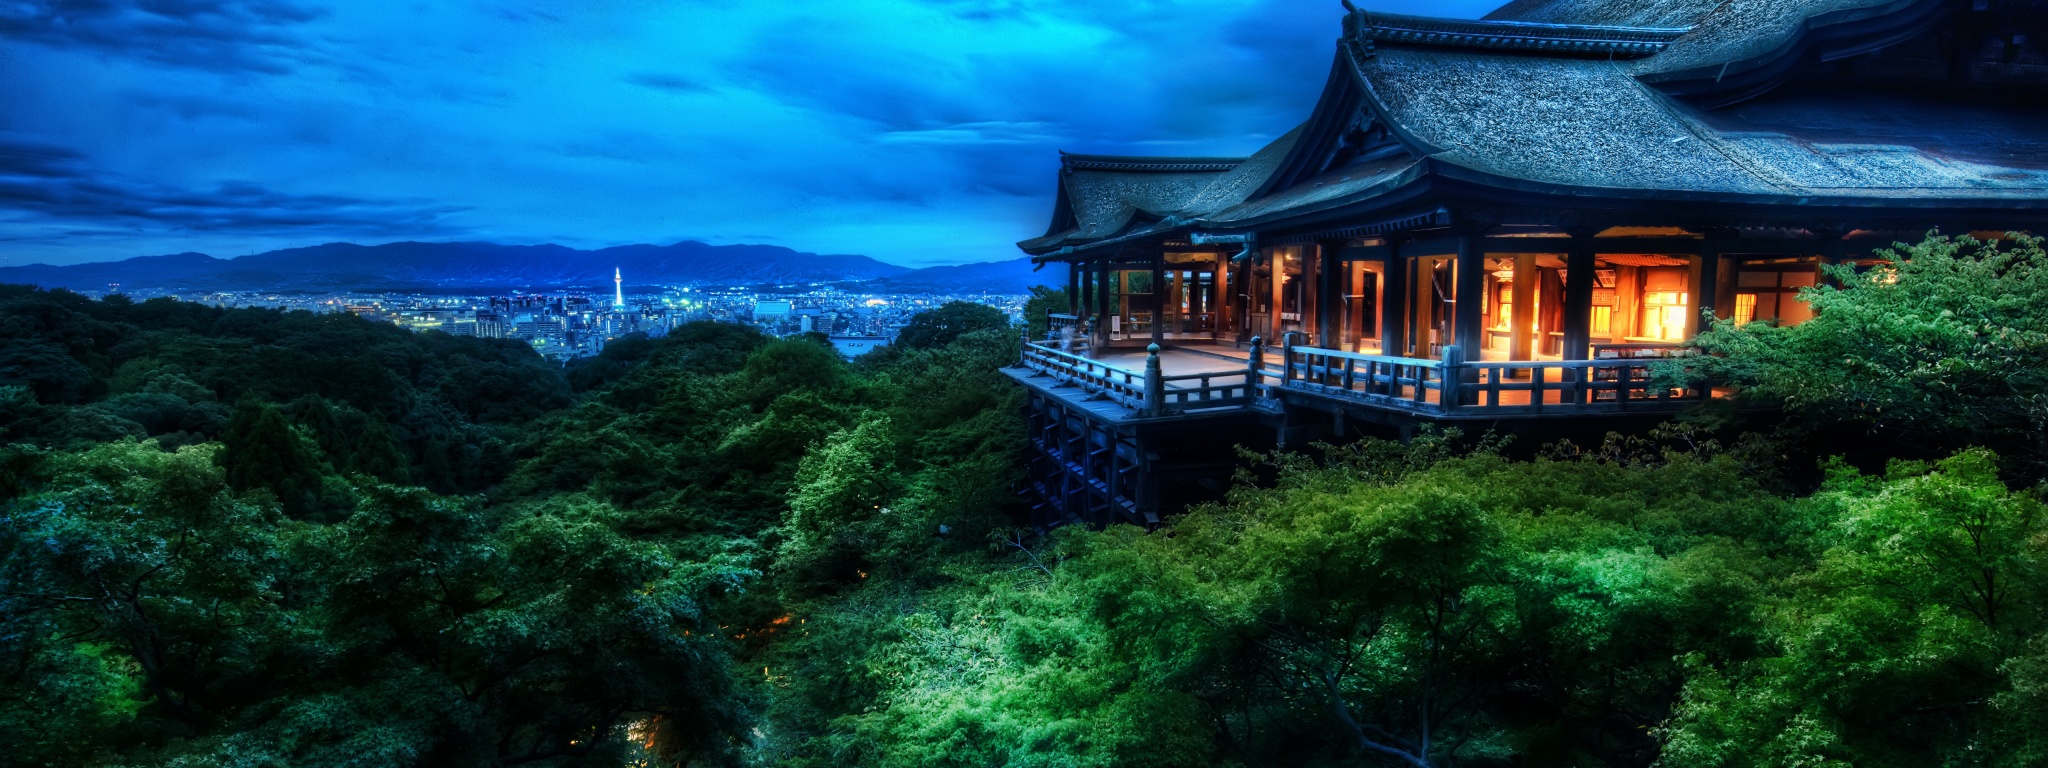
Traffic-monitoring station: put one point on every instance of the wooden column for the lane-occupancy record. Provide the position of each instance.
(1393, 295)
(1524, 298)
(1469, 293)
(1102, 278)
(1422, 306)
(1330, 310)
(1220, 304)
(1578, 297)
(1160, 294)
(1706, 283)
(1074, 289)
(1276, 274)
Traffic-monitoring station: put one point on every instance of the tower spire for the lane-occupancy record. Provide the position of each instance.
(618, 289)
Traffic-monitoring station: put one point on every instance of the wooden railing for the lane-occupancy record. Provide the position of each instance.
(1573, 386)
(1406, 383)
(1068, 333)
(1452, 386)
(1122, 385)
(1149, 392)
(1444, 387)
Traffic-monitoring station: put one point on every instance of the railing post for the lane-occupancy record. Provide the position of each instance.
(1024, 350)
(1287, 358)
(1255, 367)
(1155, 387)
(1452, 384)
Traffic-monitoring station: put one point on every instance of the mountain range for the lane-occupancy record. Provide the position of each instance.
(489, 267)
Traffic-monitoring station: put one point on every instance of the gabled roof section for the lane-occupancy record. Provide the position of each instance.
(1103, 196)
(1619, 13)
(1528, 119)
(1737, 49)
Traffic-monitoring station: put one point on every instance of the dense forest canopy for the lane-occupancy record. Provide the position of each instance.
(244, 537)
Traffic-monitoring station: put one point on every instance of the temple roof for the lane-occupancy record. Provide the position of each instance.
(1731, 35)
(1576, 122)
(1675, 100)
(1101, 196)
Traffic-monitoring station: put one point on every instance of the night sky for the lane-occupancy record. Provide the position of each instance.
(916, 131)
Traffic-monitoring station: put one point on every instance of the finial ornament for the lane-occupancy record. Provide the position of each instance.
(1348, 6)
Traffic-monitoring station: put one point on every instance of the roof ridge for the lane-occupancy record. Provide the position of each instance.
(1139, 163)
(1539, 37)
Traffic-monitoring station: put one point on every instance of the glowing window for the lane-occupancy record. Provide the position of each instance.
(1745, 308)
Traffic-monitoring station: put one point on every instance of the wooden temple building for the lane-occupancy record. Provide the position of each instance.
(1503, 220)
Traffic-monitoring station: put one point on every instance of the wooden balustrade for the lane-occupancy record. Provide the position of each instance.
(1444, 387)
(1149, 392)
(1068, 333)
(1122, 385)
(1454, 386)
(1406, 383)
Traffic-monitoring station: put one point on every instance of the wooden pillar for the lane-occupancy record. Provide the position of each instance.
(1160, 295)
(1330, 280)
(1628, 304)
(1276, 272)
(1220, 304)
(1524, 298)
(1423, 306)
(1578, 297)
(1393, 292)
(1706, 283)
(1102, 278)
(1074, 289)
(1469, 293)
(1240, 299)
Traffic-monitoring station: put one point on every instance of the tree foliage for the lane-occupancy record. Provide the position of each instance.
(258, 538)
(1943, 348)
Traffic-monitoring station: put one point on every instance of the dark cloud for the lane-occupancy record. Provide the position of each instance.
(220, 35)
(671, 83)
(53, 188)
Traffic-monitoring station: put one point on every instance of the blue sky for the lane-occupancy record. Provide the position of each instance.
(916, 131)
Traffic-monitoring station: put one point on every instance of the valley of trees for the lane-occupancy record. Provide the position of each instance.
(253, 538)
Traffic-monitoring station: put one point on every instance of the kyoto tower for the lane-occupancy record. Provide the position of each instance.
(618, 290)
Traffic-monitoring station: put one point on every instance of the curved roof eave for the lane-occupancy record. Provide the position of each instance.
(1580, 196)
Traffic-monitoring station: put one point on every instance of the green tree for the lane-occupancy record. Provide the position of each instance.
(1943, 348)
(1044, 303)
(938, 327)
(1925, 593)
(263, 450)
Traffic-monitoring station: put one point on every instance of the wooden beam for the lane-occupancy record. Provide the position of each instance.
(1364, 253)
(1441, 246)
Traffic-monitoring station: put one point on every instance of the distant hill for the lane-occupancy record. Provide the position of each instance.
(1013, 276)
(428, 267)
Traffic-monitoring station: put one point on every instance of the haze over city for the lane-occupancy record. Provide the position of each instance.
(918, 133)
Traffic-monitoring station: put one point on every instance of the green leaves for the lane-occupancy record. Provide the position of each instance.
(1946, 345)
(1924, 588)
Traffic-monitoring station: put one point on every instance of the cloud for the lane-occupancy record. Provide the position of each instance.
(917, 131)
(54, 189)
(672, 83)
(220, 35)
